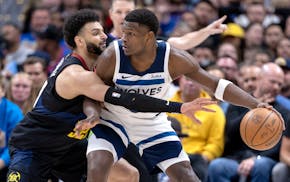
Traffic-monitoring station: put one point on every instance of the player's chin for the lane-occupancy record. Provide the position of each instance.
(126, 51)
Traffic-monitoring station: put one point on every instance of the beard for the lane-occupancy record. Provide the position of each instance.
(93, 49)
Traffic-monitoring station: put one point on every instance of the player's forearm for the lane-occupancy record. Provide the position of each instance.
(231, 93)
(189, 40)
(140, 103)
(91, 108)
(237, 96)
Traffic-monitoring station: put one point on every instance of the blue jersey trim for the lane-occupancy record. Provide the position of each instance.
(161, 135)
(107, 133)
(117, 125)
(140, 82)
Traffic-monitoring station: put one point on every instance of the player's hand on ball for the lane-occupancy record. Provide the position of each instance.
(199, 104)
(266, 105)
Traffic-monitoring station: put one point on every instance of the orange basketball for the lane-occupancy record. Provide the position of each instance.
(261, 128)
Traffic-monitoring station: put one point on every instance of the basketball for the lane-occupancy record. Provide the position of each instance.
(261, 128)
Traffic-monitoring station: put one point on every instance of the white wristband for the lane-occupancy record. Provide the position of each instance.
(220, 89)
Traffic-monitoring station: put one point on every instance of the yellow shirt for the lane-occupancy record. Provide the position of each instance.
(206, 138)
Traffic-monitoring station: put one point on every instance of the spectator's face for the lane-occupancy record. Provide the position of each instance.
(273, 35)
(21, 87)
(11, 34)
(119, 10)
(283, 48)
(256, 13)
(190, 19)
(228, 49)
(204, 13)
(248, 78)
(37, 73)
(203, 55)
(229, 67)
(189, 89)
(40, 19)
(254, 35)
(261, 58)
(270, 83)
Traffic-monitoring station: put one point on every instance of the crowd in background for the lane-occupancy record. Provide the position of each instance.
(253, 52)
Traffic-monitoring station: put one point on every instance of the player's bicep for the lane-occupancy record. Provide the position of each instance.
(91, 86)
(182, 63)
(105, 66)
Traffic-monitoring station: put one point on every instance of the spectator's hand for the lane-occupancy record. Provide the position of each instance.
(246, 166)
(2, 138)
(266, 98)
(189, 108)
(86, 124)
(217, 27)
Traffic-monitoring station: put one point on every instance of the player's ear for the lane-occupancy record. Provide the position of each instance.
(150, 35)
(78, 40)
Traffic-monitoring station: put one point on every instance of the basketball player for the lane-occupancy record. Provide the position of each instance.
(45, 143)
(118, 10)
(140, 64)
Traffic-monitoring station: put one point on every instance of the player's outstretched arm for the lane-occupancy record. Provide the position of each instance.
(75, 81)
(193, 39)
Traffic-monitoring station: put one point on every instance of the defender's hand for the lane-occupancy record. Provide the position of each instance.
(85, 124)
(217, 27)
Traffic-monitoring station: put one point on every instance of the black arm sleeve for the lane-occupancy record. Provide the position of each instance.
(140, 103)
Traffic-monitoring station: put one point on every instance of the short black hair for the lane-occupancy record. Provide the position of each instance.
(144, 17)
(76, 22)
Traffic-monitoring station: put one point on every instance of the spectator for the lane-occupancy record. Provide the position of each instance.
(20, 91)
(37, 18)
(247, 78)
(284, 97)
(49, 41)
(119, 9)
(229, 67)
(205, 13)
(238, 159)
(256, 13)
(283, 48)
(10, 114)
(204, 55)
(234, 34)
(36, 68)
(273, 34)
(16, 51)
(281, 171)
(228, 49)
(254, 35)
(205, 141)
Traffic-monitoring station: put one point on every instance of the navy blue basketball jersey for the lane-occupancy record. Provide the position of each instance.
(51, 122)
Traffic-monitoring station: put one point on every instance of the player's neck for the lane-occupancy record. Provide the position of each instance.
(116, 33)
(142, 61)
(90, 59)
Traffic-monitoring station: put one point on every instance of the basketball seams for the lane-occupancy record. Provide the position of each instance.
(246, 124)
(261, 126)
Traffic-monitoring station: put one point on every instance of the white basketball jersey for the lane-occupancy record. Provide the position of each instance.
(154, 82)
